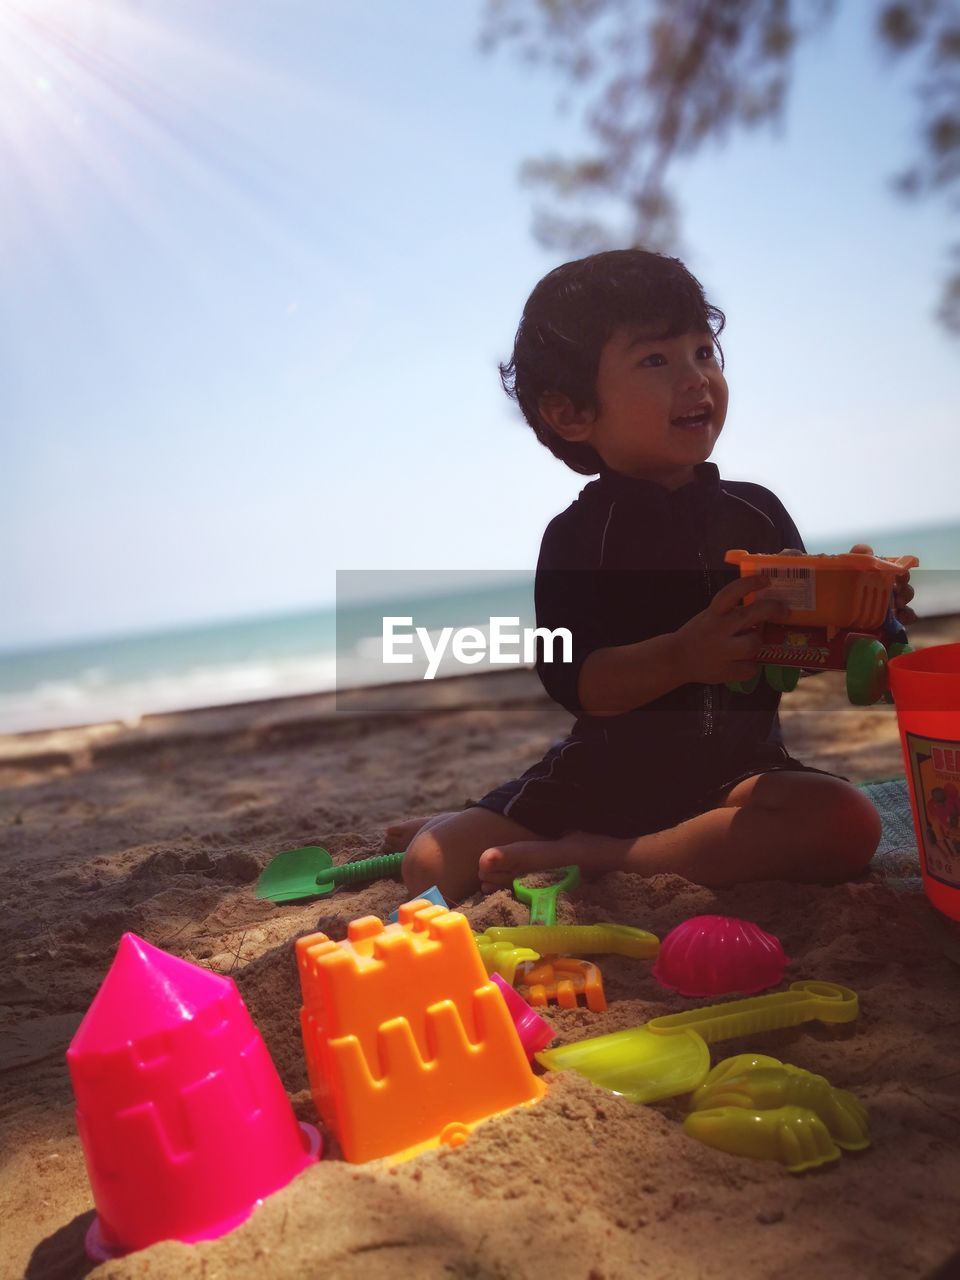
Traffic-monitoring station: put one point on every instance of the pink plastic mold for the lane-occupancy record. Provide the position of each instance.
(535, 1032)
(719, 955)
(184, 1122)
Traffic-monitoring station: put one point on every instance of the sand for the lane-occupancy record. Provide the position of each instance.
(163, 829)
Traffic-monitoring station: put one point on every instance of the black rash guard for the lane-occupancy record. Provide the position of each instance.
(626, 561)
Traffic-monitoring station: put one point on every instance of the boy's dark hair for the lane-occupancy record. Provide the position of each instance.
(571, 315)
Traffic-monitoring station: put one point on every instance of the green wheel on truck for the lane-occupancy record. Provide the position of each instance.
(744, 686)
(894, 651)
(783, 679)
(866, 672)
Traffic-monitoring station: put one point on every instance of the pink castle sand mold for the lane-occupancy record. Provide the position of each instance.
(184, 1122)
(719, 955)
(535, 1032)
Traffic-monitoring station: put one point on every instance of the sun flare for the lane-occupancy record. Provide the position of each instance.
(98, 98)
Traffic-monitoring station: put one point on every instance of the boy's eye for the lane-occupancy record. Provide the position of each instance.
(705, 353)
(653, 361)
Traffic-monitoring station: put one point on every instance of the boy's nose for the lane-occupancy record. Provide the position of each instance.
(695, 378)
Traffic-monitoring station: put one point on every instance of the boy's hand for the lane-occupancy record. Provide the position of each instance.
(720, 643)
(903, 593)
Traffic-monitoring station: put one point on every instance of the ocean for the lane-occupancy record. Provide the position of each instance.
(126, 677)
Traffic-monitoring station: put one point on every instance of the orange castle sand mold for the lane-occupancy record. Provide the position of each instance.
(408, 1042)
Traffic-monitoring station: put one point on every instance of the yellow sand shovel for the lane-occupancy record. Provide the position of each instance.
(669, 1055)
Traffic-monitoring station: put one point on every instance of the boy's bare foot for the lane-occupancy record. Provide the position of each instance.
(500, 865)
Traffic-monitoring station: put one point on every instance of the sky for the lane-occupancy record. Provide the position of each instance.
(260, 262)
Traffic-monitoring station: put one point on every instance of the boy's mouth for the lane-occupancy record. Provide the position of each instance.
(699, 417)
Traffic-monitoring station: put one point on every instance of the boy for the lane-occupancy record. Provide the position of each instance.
(616, 369)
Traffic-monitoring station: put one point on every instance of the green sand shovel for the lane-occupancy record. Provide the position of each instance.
(296, 874)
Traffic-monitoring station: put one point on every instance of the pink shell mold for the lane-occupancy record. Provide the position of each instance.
(718, 956)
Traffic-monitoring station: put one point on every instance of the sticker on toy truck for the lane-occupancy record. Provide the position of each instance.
(797, 588)
(935, 775)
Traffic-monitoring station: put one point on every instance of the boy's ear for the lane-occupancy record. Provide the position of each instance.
(559, 413)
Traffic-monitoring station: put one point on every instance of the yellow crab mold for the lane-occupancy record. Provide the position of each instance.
(796, 1136)
(757, 1106)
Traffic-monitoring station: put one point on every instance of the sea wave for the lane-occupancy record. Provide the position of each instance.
(92, 697)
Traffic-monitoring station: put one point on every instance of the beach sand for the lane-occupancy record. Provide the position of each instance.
(163, 829)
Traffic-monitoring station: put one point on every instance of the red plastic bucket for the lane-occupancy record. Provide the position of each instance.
(926, 689)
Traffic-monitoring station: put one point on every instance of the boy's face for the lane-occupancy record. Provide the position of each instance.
(661, 404)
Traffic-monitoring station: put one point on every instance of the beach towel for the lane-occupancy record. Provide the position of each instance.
(897, 864)
(896, 858)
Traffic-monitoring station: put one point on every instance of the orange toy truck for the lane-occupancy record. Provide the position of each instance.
(841, 619)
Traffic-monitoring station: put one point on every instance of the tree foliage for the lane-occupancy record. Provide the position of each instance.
(664, 77)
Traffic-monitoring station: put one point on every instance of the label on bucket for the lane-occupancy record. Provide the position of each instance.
(935, 778)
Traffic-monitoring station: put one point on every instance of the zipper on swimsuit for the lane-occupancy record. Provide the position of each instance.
(706, 719)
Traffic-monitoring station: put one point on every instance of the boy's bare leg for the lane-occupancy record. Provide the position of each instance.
(803, 827)
(446, 852)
